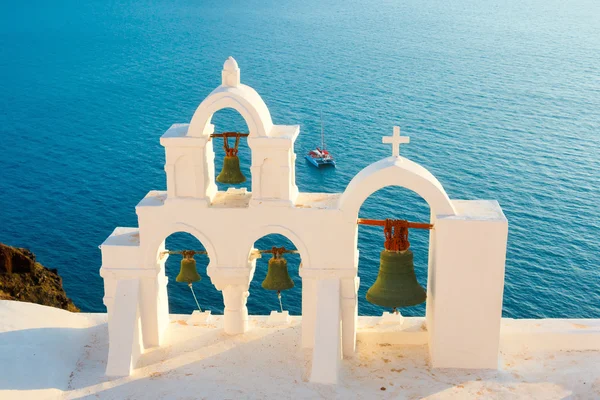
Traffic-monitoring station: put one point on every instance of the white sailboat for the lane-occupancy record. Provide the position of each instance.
(320, 156)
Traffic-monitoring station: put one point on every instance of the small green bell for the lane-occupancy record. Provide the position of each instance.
(187, 271)
(278, 277)
(231, 172)
(396, 284)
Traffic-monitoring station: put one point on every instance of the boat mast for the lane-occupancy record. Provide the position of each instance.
(322, 133)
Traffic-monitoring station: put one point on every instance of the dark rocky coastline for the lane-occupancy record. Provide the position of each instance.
(24, 279)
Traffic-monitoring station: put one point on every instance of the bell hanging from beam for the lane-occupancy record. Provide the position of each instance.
(231, 172)
(277, 277)
(187, 270)
(396, 284)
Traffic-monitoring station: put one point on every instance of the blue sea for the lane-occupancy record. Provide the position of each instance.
(500, 100)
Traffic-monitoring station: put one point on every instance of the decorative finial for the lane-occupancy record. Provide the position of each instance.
(230, 64)
(395, 141)
(231, 73)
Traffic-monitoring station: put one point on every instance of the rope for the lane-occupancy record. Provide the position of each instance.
(188, 254)
(277, 251)
(194, 294)
(396, 235)
(230, 152)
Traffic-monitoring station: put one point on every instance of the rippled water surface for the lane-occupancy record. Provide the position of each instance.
(500, 101)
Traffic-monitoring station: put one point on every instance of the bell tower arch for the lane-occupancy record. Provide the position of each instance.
(232, 94)
(190, 154)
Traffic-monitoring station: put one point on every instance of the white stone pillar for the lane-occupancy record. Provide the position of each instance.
(170, 173)
(162, 301)
(189, 165)
(309, 310)
(149, 312)
(466, 286)
(236, 312)
(154, 301)
(110, 287)
(327, 348)
(124, 329)
(349, 304)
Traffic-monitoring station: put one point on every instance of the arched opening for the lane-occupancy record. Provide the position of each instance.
(181, 300)
(392, 202)
(262, 301)
(230, 120)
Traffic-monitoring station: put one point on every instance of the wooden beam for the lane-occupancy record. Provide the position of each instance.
(229, 134)
(381, 222)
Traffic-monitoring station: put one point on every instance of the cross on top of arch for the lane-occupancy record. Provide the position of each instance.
(396, 140)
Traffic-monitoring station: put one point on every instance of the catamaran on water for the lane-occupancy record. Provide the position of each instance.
(320, 156)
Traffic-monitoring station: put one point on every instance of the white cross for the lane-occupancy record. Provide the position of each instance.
(395, 141)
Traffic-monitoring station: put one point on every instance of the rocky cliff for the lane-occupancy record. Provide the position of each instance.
(24, 279)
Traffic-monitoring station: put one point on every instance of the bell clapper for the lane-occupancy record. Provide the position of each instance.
(194, 294)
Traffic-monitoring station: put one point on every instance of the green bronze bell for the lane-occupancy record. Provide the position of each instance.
(187, 271)
(231, 172)
(278, 277)
(396, 284)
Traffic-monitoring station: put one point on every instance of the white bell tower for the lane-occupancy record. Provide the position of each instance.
(190, 150)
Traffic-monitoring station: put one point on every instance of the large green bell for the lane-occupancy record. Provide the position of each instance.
(396, 284)
(278, 277)
(187, 271)
(231, 172)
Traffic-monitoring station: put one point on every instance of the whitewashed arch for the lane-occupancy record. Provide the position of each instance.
(160, 235)
(281, 230)
(244, 100)
(395, 171)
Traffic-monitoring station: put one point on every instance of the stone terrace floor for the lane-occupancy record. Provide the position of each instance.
(56, 354)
